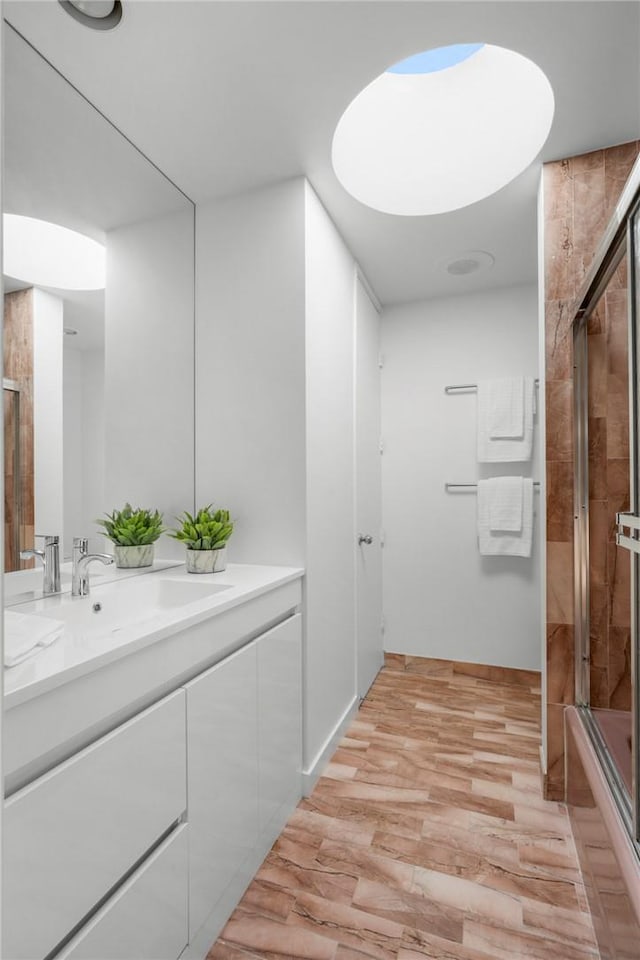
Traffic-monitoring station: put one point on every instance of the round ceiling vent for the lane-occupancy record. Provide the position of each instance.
(469, 262)
(98, 14)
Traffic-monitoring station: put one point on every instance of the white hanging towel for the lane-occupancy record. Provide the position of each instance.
(505, 408)
(506, 499)
(494, 507)
(503, 435)
(25, 634)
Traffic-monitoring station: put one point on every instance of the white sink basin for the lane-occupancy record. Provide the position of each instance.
(114, 606)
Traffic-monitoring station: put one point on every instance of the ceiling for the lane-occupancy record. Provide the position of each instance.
(226, 97)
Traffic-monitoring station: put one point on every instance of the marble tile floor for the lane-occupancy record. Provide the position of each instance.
(427, 836)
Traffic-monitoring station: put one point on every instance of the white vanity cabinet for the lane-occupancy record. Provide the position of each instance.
(244, 758)
(75, 832)
(134, 838)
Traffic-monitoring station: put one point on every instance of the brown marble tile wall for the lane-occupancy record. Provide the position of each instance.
(580, 194)
(18, 366)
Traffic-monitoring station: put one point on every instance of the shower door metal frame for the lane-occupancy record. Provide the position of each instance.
(618, 240)
(582, 656)
(13, 387)
(634, 453)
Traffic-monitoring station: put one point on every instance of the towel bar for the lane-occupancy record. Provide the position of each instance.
(449, 486)
(471, 386)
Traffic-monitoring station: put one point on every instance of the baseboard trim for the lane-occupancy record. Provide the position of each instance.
(480, 671)
(313, 772)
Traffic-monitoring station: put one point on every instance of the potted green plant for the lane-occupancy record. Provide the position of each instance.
(205, 536)
(133, 533)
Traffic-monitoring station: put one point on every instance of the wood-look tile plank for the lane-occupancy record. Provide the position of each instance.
(325, 827)
(411, 909)
(268, 899)
(373, 935)
(473, 898)
(555, 857)
(507, 875)
(272, 940)
(471, 841)
(506, 944)
(567, 926)
(221, 950)
(437, 949)
(335, 886)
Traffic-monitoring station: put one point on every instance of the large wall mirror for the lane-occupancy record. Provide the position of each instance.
(98, 378)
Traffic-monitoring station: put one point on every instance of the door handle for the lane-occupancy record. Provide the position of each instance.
(629, 541)
(365, 538)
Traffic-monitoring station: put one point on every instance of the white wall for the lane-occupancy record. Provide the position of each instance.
(47, 412)
(73, 466)
(93, 444)
(250, 403)
(274, 414)
(84, 455)
(149, 368)
(441, 598)
(330, 683)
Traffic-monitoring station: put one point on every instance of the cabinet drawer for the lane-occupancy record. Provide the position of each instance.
(71, 835)
(279, 724)
(148, 917)
(223, 778)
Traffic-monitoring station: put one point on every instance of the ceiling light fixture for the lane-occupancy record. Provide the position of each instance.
(443, 129)
(48, 255)
(98, 14)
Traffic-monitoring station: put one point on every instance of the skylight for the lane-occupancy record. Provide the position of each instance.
(430, 61)
(48, 255)
(443, 129)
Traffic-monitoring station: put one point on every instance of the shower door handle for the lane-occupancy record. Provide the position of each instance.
(631, 540)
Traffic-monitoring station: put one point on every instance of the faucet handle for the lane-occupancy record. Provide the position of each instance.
(81, 543)
(50, 539)
(30, 553)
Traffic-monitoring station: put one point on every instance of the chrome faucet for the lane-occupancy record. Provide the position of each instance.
(50, 557)
(81, 560)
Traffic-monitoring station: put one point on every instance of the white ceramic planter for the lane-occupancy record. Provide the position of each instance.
(141, 556)
(206, 561)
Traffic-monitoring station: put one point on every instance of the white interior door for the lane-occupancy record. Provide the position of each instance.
(368, 495)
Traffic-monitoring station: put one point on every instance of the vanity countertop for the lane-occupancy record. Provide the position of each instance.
(78, 652)
(23, 586)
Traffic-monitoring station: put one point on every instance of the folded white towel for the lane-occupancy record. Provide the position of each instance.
(506, 408)
(25, 634)
(505, 503)
(505, 543)
(502, 449)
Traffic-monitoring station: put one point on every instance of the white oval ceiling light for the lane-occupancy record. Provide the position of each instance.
(443, 129)
(47, 255)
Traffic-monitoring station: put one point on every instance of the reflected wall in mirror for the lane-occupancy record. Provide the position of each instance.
(98, 383)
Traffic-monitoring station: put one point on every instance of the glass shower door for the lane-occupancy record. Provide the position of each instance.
(605, 569)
